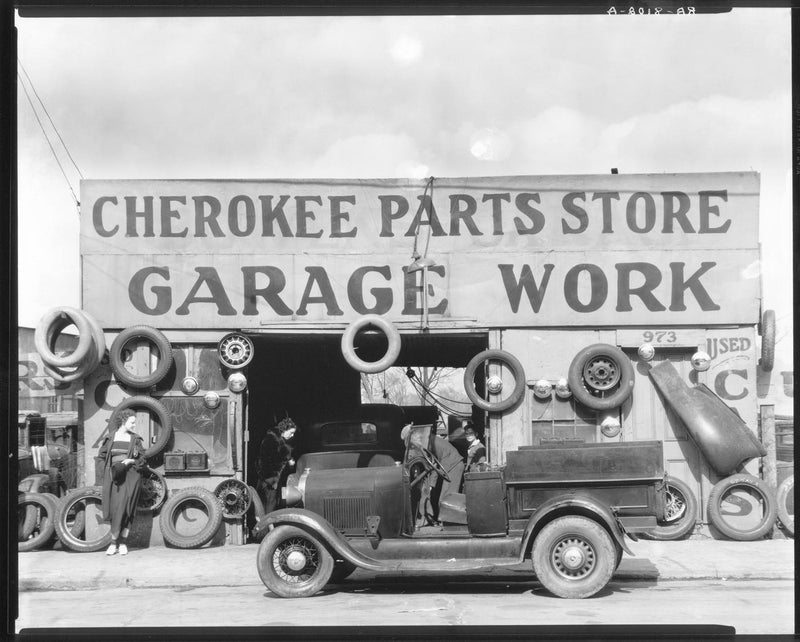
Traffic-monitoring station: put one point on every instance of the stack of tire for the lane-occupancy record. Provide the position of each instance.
(86, 356)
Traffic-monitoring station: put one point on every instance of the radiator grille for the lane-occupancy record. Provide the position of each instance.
(347, 512)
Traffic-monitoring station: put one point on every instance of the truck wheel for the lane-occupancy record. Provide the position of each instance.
(742, 507)
(72, 515)
(190, 518)
(681, 513)
(786, 504)
(44, 510)
(154, 336)
(516, 370)
(293, 563)
(767, 331)
(155, 406)
(49, 329)
(573, 557)
(349, 350)
(601, 377)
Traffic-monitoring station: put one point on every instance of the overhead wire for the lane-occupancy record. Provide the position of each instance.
(44, 131)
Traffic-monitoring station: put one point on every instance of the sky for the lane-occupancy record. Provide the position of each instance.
(408, 97)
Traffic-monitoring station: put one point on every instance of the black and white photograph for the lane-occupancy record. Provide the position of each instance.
(377, 322)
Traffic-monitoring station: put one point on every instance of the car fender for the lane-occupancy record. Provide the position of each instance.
(322, 528)
(572, 504)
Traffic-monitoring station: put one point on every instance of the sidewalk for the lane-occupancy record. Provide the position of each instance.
(161, 567)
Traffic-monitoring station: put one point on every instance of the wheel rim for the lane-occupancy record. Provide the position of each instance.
(296, 560)
(573, 558)
(675, 506)
(236, 350)
(601, 373)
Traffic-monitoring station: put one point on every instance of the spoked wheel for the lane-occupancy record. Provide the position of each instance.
(681, 512)
(293, 563)
(234, 496)
(574, 557)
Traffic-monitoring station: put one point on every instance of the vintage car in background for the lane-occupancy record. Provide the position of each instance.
(355, 505)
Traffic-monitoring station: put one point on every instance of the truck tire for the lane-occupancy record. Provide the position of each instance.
(49, 329)
(681, 512)
(516, 369)
(154, 336)
(767, 331)
(70, 528)
(348, 344)
(573, 557)
(194, 497)
(722, 496)
(44, 508)
(785, 500)
(601, 377)
(155, 406)
(293, 563)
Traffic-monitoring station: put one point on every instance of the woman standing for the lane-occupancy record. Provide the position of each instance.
(274, 454)
(123, 454)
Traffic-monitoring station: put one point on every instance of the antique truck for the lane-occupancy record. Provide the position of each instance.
(358, 505)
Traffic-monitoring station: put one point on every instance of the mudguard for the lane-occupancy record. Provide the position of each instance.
(572, 504)
(321, 528)
(720, 434)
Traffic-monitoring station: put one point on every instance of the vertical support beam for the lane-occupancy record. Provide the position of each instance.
(494, 435)
(769, 464)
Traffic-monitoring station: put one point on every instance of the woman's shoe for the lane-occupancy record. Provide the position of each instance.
(111, 550)
(123, 549)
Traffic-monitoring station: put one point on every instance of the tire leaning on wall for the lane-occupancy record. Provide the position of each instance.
(681, 512)
(181, 500)
(785, 500)
(754, 485)
(155, 406)
(42, 531)
(69, 532)
(154, 336)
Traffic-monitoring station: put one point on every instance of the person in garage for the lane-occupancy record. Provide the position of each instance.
(274, 454)
(452, 463)
(476, 451)
(122, 452)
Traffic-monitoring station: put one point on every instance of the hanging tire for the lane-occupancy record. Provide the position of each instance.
(154, 406)
(69, 374)
(235, 350)
(234, 496)
(44, 513)
(392, 351)
(767, 360)
(177, 524)
(153, 491)
(785, 501)
(49, 329)
(574, 557)
(742, 507)
(155, 337)
(681, 512)
(601, 377)
(293, 563)
(71, 527)
(516, 369)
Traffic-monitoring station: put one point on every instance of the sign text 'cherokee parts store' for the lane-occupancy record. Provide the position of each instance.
(508, 251)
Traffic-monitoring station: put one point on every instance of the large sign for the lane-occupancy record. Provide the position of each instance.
(612, 250)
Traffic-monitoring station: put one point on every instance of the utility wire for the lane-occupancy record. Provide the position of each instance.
(47, 138)
(41, 102)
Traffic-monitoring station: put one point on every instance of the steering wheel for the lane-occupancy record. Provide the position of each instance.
(435, 464)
